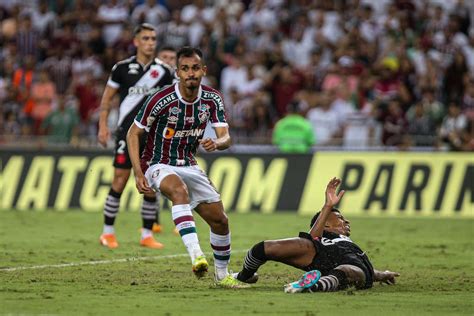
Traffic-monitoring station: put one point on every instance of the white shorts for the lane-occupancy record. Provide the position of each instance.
(199, 186)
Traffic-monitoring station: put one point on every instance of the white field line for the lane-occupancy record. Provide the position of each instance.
(98, 262)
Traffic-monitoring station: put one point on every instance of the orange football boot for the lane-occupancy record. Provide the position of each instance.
(150, 242)
(108, 240)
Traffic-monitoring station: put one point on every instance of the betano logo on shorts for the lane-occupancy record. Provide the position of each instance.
(169, 133)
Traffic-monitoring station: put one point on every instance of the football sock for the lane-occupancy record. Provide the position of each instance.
(148, 212)
(146, 233)
(253, 260)
(221, 249)
(157, 204)
(184, 221)
(111, 209)
(108, 229)
(334, 281)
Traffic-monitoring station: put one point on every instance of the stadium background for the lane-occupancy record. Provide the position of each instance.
(388, 87)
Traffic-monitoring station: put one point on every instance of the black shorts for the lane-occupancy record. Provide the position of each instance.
(329, 257)
(121, 157)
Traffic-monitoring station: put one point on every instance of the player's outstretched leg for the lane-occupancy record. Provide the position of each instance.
(307, 281)
(148, 212)
(184, 221)
(253, 260)
(111, 208)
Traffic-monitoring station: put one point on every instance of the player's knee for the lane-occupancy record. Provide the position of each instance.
(355, 275)
(270, 248)
(220, 222)
(179, 194)
(119, 182)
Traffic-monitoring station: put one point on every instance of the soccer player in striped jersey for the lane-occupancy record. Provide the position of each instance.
(133, 79)
(329, 256)
(175, 119)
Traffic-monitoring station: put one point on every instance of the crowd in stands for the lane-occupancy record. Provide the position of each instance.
(382, 72)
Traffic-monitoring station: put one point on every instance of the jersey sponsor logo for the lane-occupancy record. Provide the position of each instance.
(189, 119)
(327, 242)
(142, 90)
(162, 103)
(150, 120)
(133, 69)
(189, 132)
(173, 119)
(217, 99)
(168, 133)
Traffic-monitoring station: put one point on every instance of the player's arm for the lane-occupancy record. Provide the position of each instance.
(222, 141)
(385, 276)
(105, 105)
(133, 143)
(332, 198)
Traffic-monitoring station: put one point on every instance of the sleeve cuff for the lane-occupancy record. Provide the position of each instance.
(140, 125)
(219, 124)
(113, 84)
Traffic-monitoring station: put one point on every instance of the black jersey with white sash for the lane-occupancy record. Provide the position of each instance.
(135, 82)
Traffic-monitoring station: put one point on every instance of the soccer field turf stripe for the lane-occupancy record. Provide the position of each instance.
(91, 263)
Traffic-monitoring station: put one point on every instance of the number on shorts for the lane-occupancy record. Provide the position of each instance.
(121, 147)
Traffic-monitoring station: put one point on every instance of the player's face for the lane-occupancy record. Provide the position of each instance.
(168, 56)
(190, 71)
(145, 41)
(336, 223)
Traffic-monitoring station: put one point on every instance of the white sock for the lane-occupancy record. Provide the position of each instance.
(146, 233)
(221, 249)
(184, 221)
(108, 229)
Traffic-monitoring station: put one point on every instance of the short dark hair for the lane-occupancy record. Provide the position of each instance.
(143, 26)
(169, 48)
(188, 51)
(316, 216)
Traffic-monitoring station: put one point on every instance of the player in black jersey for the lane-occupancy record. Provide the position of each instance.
(134, 79)
(332, 260)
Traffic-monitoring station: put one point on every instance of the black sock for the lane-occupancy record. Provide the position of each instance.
(334, 281)
(253, 260)
(111, 207)
(148, 212)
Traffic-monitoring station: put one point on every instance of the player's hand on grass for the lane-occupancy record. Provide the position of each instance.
(142, 184)
(103, 135)
(332, 198)
(208, 144)
(387, 277)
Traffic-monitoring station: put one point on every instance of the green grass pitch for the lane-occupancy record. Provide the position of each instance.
(434, 256)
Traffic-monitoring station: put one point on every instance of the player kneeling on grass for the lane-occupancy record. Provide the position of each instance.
(332, 260)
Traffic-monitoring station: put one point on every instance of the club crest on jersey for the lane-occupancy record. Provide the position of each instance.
(203, 116)
(175, 110)
(155, 174)
(154, 73)
(204, 107)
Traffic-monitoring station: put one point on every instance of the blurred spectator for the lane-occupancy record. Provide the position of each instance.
(421, 126)
(453, 127)
(293, 133)
(394, 125)
(112, 15)
(324, 121)
(150, 12)
(61, 125)
(353, 57)
(43, 92)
